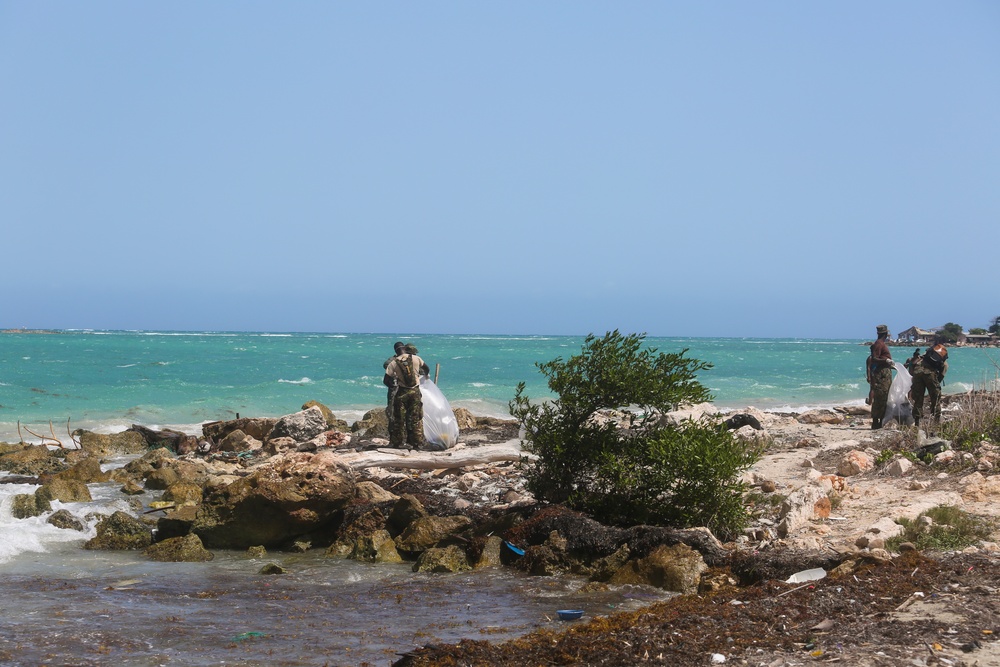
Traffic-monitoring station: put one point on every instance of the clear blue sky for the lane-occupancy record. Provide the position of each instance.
(680, 168)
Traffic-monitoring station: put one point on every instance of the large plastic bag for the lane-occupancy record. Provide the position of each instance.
(898, 405)
(440, 427)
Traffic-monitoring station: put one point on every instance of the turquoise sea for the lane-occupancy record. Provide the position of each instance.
(108, 380)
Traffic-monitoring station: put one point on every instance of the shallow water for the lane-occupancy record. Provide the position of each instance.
(112, 608)
(63, 605)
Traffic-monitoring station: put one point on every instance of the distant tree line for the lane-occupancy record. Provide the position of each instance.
(950, 332)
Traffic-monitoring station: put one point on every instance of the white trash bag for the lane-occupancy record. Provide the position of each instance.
(898, 405)
(440, 426)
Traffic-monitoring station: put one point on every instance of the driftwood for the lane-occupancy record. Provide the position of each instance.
(43, 438)
(452, 458)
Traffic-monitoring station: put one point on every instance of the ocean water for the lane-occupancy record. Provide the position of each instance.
(108, 380)
(63, 605)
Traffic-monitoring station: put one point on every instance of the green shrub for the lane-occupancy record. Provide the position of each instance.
(641, 469)
(952, 528)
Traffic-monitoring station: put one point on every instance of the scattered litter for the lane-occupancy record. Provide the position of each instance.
(516, 550)
(718, 659)
(569, 614)
(806, 575)
(248, 635)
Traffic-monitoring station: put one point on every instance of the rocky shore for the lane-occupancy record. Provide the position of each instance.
(827, 494)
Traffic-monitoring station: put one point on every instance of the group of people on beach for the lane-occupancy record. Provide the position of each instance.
(927, 372)
(404, 405)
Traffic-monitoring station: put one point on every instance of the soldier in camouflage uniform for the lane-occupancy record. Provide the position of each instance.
(390, 392)
(881, 375)
(407, 423)
(928, 373)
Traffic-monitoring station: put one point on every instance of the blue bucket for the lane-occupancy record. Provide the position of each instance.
(569, 614)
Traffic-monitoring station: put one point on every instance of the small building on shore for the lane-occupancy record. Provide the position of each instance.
(915, 335)
(981, 339)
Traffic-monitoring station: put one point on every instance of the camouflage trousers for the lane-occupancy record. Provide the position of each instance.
(925, 379)
(407, 423)
(881, 381)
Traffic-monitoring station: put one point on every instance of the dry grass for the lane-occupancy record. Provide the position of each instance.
(973, 417)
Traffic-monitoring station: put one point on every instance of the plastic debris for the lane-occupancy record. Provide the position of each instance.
(806, 575)
(516, 550)
(440, 426)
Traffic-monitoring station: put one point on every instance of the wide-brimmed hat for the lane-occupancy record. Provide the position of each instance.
(882, 329)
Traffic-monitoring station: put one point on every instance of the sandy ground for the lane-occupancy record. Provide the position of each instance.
(797, 449)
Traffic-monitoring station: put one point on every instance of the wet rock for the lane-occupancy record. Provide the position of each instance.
(604, 568)
(673, 568)
(176, 522)
(490, 554)
(64, 519)
(27, 505)
(162, 479)
(376, 547)
(444, 559)
(290, 497)
(65, 491)
(115, 444)
(183, 493)
(406, 510)
(429, 531)
(120, 532)
(31, 460)
(132, 488)
(272, 568)
(256, 552)
(359, 524)
(142, 466)
(542, 561)
(87, 470)
(186, 549)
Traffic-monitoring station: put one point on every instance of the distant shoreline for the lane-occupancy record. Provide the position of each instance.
(29, 331)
